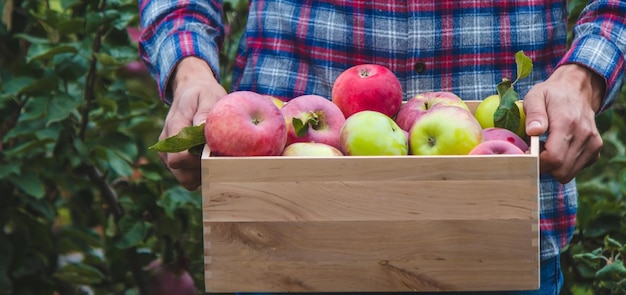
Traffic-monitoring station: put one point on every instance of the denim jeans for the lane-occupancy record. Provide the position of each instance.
(551, 284)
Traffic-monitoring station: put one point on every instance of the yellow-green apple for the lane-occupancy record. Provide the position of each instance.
(312, 118)
(488, 106)
(371, 133)
(496, 133)
(368, 87)
(445, 130)
(244, 123)
(277, 101)
(422, 103)
(311, 149)
(496, 147)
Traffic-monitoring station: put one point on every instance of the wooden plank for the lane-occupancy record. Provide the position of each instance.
(371, 256)
(383, 200)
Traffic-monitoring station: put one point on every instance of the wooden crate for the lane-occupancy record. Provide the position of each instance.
(393, 223)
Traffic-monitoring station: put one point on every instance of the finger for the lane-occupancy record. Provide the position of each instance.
(535, 110)
(190, 178)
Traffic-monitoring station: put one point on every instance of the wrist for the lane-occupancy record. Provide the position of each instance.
(189, 69)
(590, 83)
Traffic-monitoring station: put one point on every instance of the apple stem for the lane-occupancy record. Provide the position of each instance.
(364, 73)
(432, 141)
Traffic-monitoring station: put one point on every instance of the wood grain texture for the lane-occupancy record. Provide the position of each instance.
(413, 223)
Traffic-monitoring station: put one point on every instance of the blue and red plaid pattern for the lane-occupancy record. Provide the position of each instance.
(292, 48)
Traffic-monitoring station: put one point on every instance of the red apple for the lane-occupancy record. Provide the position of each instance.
(496, 133)
(368, 87)
(312, 118)
(164, 280)
(496, 147)
(445, 130)
(422, 103)
(244, 123)
(311, 149)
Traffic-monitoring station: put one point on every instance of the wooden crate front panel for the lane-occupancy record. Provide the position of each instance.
(287, 224)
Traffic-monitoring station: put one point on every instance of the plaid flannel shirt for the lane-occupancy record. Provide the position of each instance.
(292, 48)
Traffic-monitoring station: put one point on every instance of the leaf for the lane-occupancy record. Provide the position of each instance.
(300, 127)
(134, 236)
(507, 115)
(118, 164)
(9, 168)
(32, 39)
(612, 271)
(47, 51)
(60, 107)
(504, 86)
(30, 183)
(80, 274)
(524, 65)
(16, 85)
(611, 244)
(177, 197)
(187, 138)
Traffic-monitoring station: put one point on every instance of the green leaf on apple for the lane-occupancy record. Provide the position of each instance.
(507, 115)
(524, 65)
(188, 138)
(300, 127)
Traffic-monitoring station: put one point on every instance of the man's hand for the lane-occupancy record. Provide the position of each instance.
(195, 91)
(565, 106)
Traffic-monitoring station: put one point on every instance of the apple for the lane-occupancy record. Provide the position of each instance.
(164, 280)
(496, 133)
(422, 103)
(445, 130)
(496, 147)
(277, 101)
(371, 133)
(311, 149)
(312, 118)
(244, 123)
(488, 106)
(368, 87)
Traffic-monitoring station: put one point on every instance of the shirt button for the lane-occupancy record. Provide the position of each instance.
(419, 67)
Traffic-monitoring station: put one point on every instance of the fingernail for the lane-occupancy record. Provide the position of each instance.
(534, 124)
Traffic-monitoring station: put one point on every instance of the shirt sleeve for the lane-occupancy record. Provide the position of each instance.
(599, 43)
(174, 29)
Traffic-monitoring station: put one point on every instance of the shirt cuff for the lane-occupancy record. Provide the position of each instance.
(175, 47)
(604, 58)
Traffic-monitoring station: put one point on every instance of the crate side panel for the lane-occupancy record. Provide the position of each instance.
(281, 169)
(371, 200)
(371, 256)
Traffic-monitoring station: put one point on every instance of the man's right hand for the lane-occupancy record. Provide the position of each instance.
(195, 90)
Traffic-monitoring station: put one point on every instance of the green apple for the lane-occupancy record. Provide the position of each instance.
(487, 107)
(371, 133)
(445, 130)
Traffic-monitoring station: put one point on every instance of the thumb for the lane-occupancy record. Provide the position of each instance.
(536, 115)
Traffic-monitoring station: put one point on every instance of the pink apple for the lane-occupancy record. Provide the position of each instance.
(445, 130)
(367, 87)
(371, 133)
(496, 133)
(245, 123)
(422, 103)
(311, 149)
(312, 118)
(496, 147)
